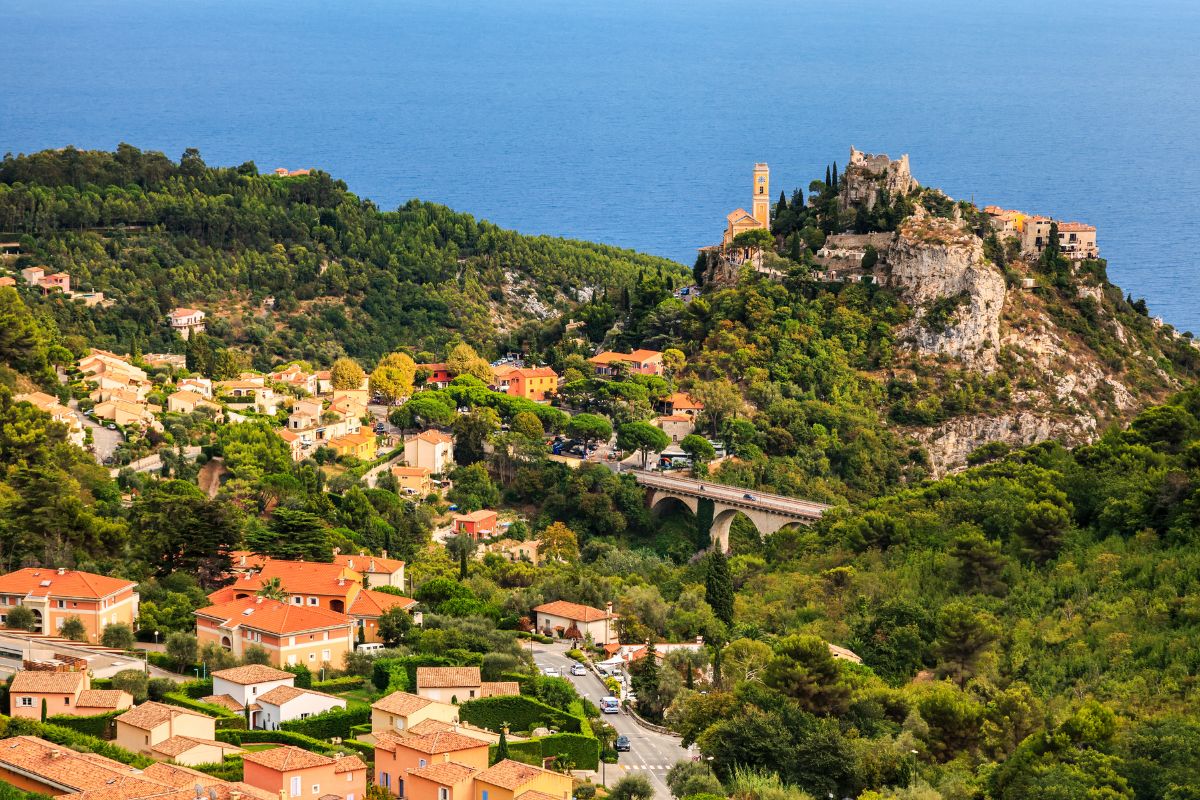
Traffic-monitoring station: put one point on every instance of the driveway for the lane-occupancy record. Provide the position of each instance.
(652, 754)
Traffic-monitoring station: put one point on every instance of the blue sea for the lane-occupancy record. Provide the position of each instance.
(636, 122)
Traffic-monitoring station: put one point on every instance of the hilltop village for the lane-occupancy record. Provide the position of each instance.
(889, 499)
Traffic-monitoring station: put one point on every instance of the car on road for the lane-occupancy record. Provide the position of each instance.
(111, 426)
(579, 669)
(748, 497)
(622, 745)
(610, 705)
(552, 672)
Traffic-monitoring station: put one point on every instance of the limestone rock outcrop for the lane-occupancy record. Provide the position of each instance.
(867, 175)
(938, 268)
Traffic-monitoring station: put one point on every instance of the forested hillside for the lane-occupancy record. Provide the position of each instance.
(346, 278)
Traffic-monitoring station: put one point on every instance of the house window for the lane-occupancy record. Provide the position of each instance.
(297, 601)
(295, 787)
(312, 601)
(66, 701)
(60, 603)
(443, 793)
(421, 762)
(26, 701)
(312, 656)
(316, 789)
(484, 797)
(385, 780)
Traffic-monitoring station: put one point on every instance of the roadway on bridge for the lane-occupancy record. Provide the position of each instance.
(733, 495)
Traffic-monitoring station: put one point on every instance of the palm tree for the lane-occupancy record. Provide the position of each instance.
(272, 589)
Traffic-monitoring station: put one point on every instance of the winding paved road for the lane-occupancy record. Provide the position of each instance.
(652, 753)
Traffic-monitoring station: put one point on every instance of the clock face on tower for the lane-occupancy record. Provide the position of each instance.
(762, 178)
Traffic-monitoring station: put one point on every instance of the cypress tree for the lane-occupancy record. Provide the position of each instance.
(502, 746)
(718, 586)
(782, 205)
(835, 176)
(828, 182)
(43, 709)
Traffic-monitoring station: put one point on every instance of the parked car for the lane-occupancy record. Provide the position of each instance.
(748, 497)
(622, 744)
(111, 427)
(552, 672)
(579, 669)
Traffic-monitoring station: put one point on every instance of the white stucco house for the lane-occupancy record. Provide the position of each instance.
(285, 703)
(239, 687)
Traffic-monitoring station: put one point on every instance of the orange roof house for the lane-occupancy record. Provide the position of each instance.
(430, 449)
(641, 362)
(400, 711)
(478, 524)
(682, 403)
(459, 684)
(290, 772)
(513, 780)
(376, 570)
(398, 754)
(171, 733)
(575, 621)
(533, 383)
(439, 375)
(36, 765)
(55, 595)
(64, 693)
(443, 780)
(360, 445)
(290, 633)
(413, 481)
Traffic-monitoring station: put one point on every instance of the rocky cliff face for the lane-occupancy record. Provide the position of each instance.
(868, 175)
(938, 268)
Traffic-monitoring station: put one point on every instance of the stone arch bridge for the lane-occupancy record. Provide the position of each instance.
(768, 512)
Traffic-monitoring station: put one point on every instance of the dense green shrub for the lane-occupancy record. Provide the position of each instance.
(335, 722)
(342, 684)
(238, 737)
(100, 725)
(519, 713)
(582, 751)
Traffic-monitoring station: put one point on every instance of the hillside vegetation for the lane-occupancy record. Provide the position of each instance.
(346, 278)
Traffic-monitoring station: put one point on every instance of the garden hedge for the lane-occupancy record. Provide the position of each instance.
(335, 722)
(238, 737)
(100, 726)
(342, 684)
(518, 712)
(582, 751)
(225, 718)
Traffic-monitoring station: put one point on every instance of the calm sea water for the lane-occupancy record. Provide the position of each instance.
(637, 122)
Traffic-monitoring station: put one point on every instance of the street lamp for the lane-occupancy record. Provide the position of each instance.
(156, 638)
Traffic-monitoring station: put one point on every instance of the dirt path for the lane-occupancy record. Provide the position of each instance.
(209, 478)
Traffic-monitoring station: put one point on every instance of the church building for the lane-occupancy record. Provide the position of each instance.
(741, 220)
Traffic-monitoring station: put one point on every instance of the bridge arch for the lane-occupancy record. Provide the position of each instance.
(765, 523)
(661, 503)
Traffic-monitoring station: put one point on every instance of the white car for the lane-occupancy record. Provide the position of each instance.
(579, 669)
(552, 672)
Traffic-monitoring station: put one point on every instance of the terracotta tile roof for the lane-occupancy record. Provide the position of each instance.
(476, 516)
(131, 788)
(435, 437)
(535, 372)
(571, 611)
(427, 726)
(438, 742)
(446, 773)
(684, 400)
(401, 703)
(411, 472)
(48, 582)
(533, 794)
(48, 682)
(307, 576)
(361, 563)
(509, 774)
(150, 715)
(184, 312)
(252, 673)
(175, 745)
(349, 764)
(272, 616)
(59, 766)
(499, 688)
(608, 357)
(225, 701)
(283, 694)
(675, 418)
(104, 699)
(447, 677)
(184, 780)
(1075, 227)
(353, 439)
(370, 603)
(287, 757)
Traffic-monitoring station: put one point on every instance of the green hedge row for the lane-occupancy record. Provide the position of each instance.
(582, 751)
(229, 769)
(162, 661)
(10, 726)
(238, 737)
(225, 718)
(342, 684)
(361, 730)
(100, 726)
(334, 722)
(519, 713)
(400, 674)
(585, 725)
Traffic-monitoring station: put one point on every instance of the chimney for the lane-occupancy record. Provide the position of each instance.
(198, 789)
(55, 754)
(62, 570)
(383, 553)
(258, 601)
(445, 758)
